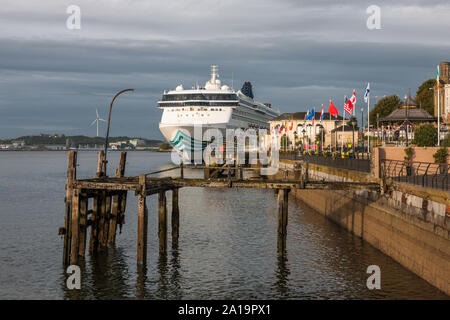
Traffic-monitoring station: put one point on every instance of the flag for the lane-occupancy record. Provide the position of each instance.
(437, 77)
(321, 115)
(367, 93)
(332, 109)
(285, 127)
(281, 128)
(310, 115)
(348, 105)
(353, 100)
(292, 123)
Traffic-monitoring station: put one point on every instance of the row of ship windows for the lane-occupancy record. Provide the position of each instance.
(198, 103)
(197, 114)
(194, 109)
(179, 97)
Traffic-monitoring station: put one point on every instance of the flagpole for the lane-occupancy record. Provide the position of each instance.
(343, 124)
(331, 142)
(439, 119)
(368, 124)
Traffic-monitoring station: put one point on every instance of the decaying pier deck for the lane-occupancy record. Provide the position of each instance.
(109, 195)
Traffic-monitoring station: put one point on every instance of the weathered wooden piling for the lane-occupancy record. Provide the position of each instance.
(84, 201)
(109, 197)
(175, 223)
(283, 199)
(93, 238)
(162, 222)
(71, 177)
(142, 222)
(75, 226)
(101, 220)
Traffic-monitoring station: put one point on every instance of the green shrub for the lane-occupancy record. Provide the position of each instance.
(425, 135)
(409, 153)
(441, 155)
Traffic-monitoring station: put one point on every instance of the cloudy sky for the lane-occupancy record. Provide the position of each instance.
(297, 54)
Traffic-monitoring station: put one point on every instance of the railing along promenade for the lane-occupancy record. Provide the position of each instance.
(425, 174)
(359, 162)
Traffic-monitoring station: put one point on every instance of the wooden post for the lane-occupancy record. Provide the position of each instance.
(282, 219)
(175, 218)
(122, 206)
(113, 221)
(181, 169)
(101, 220)
(162, 222)
(236, 164)
(122, 198)
(142, 223)
(100, 164)
(83, 224)
(116, 213)
(75, 226)
(93, 239)
(71, 177)
(108, 202)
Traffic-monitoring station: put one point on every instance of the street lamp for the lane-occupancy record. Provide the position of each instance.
(107, 131)
(362, 127)
(353, 122)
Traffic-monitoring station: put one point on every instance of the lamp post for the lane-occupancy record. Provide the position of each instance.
(353, 122)
(107, 130)
(321, 130)
(406, 123)
(362, 127)
(378, 128)
(303, 139)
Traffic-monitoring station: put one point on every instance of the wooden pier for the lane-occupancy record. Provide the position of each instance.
(109, 196)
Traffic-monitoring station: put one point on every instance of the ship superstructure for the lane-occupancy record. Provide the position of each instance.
(212, 106)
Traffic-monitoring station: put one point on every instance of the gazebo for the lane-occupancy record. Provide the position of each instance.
(399, 125)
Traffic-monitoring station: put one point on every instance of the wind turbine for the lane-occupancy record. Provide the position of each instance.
(97, 120)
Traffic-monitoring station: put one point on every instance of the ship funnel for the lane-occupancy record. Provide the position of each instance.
(214, 82)
(214, 73)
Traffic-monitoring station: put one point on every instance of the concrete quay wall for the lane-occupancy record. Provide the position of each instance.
(408, 223)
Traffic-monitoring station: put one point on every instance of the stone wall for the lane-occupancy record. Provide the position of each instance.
(408, 223)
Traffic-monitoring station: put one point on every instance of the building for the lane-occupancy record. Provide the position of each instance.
(303, 132)
(444, 93)
(343, 135)
(137, 142)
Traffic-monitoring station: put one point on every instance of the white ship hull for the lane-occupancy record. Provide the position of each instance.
(188, 114)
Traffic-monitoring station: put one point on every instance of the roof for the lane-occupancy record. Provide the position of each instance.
(346, 128)
(410, 101)
(301, 116)
(413, 114)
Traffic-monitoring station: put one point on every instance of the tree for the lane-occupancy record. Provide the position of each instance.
(425, 135)
(384, 107)
(424, 96)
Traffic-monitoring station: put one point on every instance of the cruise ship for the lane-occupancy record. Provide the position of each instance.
(211, 106)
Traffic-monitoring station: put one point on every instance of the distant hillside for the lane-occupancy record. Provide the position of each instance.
(60, 139)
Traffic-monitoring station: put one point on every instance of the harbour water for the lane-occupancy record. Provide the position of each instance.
(227, 246)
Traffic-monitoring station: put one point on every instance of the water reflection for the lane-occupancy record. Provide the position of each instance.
(103, 276)
(175, 275)
(282, 275)
(228, 246)
(141, 290)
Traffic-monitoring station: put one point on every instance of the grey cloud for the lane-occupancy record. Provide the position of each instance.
(297, 54)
